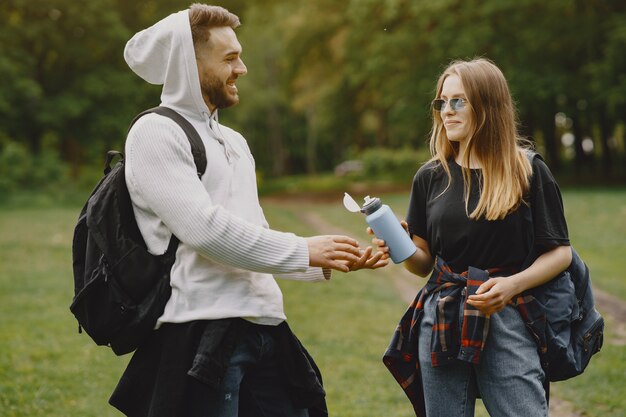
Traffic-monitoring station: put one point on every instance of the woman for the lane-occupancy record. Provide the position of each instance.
(478, 210)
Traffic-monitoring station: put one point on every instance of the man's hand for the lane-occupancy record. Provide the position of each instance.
(367, 260)
(333, 251)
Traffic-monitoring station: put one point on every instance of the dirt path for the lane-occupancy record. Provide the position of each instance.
(406, 285)
(613, 309)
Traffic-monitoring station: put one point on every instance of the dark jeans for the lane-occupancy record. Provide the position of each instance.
(252, 385)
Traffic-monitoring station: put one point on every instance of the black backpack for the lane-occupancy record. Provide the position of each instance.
(120, 289)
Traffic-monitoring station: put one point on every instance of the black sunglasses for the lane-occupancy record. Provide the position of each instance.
(455, 104)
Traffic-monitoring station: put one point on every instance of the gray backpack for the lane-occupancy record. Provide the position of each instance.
(574, 329)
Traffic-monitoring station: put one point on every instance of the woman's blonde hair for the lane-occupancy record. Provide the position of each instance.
(493, 141)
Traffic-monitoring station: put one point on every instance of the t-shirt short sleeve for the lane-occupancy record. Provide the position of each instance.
(416, 215)
(550, 227)
(437, 213)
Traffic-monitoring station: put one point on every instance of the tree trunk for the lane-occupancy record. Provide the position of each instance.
(311, 142)
(527, 127)
(382, 133)
(579, 154)
(606, 130)
(276, 141)
(34, 141)
(72, 151)
(551, 142)
(275, 127)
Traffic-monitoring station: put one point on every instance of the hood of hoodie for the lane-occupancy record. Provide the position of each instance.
(163, 54)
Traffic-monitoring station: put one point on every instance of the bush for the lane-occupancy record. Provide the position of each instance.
(392, 164)
(303, 184)
(20, 171)
(15, 167)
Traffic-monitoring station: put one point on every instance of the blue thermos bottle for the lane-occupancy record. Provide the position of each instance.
(386, 226)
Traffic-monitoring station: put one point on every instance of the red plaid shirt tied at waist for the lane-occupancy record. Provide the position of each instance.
(451, 342)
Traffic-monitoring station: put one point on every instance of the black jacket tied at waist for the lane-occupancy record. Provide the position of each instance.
(155, 382)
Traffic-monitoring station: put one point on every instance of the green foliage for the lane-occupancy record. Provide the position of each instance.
(392, 164)
(309, 184)
(47, 368)
(325, 77)
(21, 170)
(15, 166)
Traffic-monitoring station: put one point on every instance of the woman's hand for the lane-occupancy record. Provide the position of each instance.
(379, 244)
(369, 261)
(421, 263)
(494, 294)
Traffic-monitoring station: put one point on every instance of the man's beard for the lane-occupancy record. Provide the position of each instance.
(215, 89)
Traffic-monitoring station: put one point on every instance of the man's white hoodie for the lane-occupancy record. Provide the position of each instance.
(227, 255)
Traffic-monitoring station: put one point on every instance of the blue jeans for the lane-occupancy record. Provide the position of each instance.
(253, 386)
(509, 376)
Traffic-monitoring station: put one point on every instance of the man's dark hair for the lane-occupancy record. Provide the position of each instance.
(203, 17)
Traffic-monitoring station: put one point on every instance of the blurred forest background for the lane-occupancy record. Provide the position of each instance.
(328, 81)
(337, 95)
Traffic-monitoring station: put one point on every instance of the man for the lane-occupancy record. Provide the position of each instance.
(222, 346)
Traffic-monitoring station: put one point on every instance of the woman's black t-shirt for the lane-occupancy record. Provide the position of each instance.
(441, 220)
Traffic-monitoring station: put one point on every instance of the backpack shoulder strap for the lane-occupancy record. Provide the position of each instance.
(197, 147)
(197, 150)
(531, 154)
(530, 258)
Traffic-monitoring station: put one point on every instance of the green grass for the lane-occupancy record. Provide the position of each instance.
(345, 324)
(597, 226)
(48, 369)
